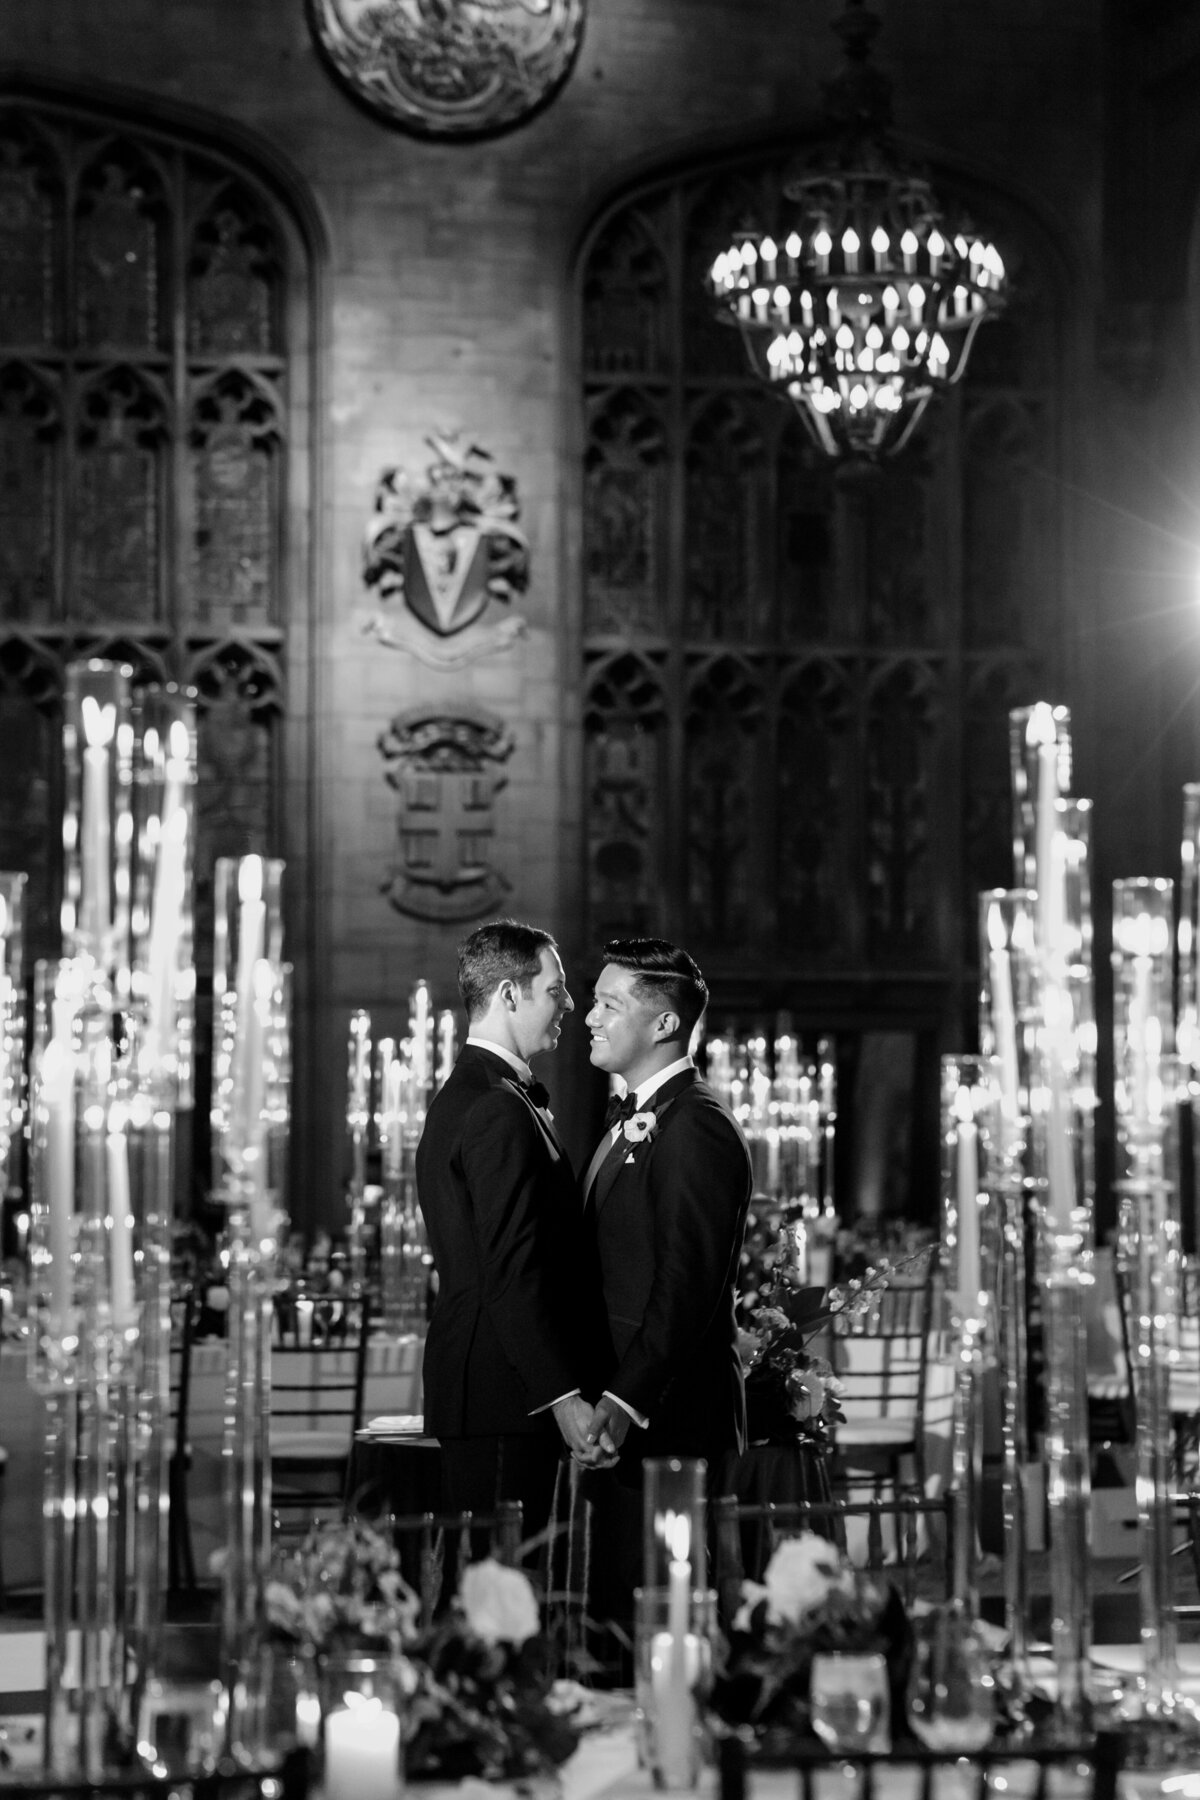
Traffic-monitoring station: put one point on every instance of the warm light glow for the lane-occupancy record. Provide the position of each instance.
(250, 879)
(99, 722)
(677, 1534)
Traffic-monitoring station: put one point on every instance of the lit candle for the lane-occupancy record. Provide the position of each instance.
(393, 1077)
(167, 905)
(1004, 1025)
(1139, 1021)
(58, 1166)
(99, 723)
(120, 1222)
(362, 1752)
(968, 1205)
(418, 1025)
(360, 1070)
(674, 1707)
(1043, 732)
(445, 1046)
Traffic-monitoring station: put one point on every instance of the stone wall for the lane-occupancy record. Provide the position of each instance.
(446, 303)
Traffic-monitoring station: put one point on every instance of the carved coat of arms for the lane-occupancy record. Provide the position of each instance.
(447, 769)
(446, 553)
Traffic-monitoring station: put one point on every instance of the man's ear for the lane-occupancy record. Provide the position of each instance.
(508, 995)
(667, 1025)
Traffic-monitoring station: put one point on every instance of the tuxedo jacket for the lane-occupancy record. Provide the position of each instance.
(500, 1203)
(665, 1220)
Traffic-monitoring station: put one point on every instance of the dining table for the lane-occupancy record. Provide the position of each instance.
(606, 1764)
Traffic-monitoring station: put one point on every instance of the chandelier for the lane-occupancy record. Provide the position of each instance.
(863, 301)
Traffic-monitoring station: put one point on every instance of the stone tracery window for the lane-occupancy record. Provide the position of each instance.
(822, 658)
(149, 376)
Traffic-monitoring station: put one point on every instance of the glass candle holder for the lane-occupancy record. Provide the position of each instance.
(360, 1729)
(673, 1636)
(673, 1522)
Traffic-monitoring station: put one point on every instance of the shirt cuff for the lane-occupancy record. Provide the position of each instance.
(550, 1403)
(625, 1407)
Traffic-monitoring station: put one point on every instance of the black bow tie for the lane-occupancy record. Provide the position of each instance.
(539, 1093)
(619, 1110)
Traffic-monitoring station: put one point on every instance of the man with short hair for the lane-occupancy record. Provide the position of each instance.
(665, 1202)
(507, 1354)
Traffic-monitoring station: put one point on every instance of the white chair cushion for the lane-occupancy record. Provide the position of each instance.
(860, 1434)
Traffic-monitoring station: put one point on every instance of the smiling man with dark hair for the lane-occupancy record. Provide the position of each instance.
(664, 1206)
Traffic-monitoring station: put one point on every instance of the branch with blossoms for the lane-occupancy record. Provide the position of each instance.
(791, 1392)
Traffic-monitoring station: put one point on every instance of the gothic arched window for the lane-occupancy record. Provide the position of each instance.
(798, 675)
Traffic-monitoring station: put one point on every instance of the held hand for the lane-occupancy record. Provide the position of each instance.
(573, 1416)
(609, 1425)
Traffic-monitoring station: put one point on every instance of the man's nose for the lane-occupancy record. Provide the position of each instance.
(568, 1003)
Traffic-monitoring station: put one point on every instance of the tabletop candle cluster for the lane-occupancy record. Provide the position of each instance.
(110, 1073)
(389, 1086)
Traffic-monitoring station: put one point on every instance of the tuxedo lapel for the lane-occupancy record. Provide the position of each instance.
(622, 1148)
(553, 1142)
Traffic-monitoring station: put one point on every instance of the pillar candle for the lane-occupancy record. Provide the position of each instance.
(120, 1224)
(96, 898)
(968, 1207)
(1004, 1024)
(362, 1753)
(419, 1028)
(58, 1163)
(1043, 731)
(445, 1046)
(168, 901)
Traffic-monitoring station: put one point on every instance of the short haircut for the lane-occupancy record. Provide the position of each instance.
(666, 976)
(505, 950)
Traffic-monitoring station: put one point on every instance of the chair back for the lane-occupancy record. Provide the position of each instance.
(316, 1406)
(435, 1548)
(907, 1537)
(880, 1354)
(1087, 1771)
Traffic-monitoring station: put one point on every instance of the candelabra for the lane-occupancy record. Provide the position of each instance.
(970, 1123)
(249, 1118)
(1147, 1090)
(1007, 945)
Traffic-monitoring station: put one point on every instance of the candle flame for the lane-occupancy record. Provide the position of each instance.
(99, 722)
(250, 879)
(677, 1532)
(1041, 727)
(179, 743)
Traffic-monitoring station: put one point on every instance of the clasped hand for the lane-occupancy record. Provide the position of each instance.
(593, 1435)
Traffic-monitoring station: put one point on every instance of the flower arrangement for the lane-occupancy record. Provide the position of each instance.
(792, 1393)
(811, 1600)
(341, 1589)
(480, 1694)
(485, 1701)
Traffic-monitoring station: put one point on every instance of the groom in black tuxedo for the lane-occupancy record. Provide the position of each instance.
(514, 1333)
(664, 1206)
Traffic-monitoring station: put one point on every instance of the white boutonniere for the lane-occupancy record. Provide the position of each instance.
(640, 1127)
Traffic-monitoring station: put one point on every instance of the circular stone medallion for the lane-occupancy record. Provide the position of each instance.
(449, 68)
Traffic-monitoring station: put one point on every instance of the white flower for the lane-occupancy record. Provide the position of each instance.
(752, 1593)
(499, 1603)
(639, 1127)
(801, 1574)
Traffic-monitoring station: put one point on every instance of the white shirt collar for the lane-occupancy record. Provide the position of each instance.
(521, 1068)
(652, 1086)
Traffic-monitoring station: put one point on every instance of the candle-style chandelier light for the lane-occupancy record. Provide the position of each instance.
(861, 300)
